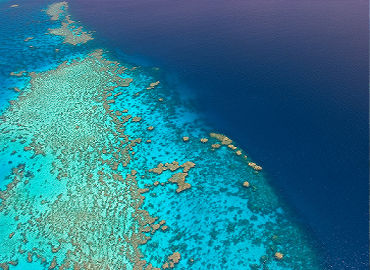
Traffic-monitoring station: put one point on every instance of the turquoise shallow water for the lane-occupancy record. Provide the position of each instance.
(104, 166)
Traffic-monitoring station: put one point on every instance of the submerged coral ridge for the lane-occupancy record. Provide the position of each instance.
(106, 169)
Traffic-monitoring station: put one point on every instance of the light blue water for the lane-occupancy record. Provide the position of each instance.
(74, 163)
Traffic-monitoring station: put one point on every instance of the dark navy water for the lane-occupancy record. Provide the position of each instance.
(288, 80)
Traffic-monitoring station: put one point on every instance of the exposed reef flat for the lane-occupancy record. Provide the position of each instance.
(69, 30)
(57, 10)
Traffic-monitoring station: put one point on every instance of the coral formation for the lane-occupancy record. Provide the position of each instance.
(254, 166)
(69, 30)
(99, 204)
(178, 178)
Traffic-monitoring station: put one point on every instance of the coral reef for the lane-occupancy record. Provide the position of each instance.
(69, 30)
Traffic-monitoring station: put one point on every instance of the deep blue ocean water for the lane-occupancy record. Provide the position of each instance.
(287, 79)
